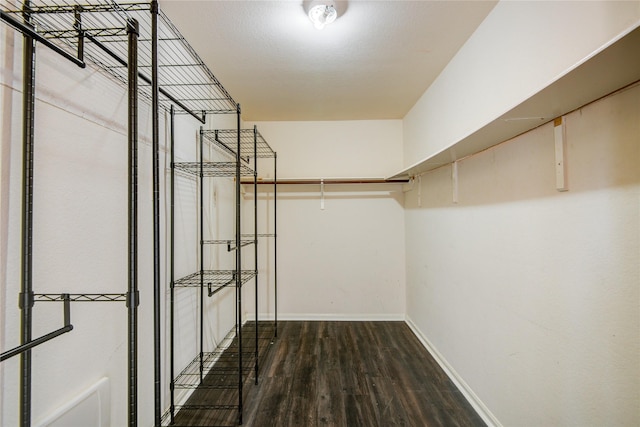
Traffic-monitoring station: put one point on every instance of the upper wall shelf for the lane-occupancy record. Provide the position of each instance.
(329, 181)
(615, 67)
(100, 27)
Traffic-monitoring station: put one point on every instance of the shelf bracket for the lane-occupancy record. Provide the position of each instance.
(33, 343)
(559, 134)
(454, 181)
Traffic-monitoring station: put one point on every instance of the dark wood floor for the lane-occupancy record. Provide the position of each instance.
(347, 374)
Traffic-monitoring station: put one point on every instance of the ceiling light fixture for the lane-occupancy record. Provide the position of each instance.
(322, 12)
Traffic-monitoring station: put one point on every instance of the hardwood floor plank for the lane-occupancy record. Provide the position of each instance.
(389, 411)
(344, 374)
(330, 406)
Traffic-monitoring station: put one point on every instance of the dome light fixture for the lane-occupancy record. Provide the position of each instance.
(322, 12)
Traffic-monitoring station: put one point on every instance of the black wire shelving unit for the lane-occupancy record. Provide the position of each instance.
(136, 44)
(251, 146)
(220, 374)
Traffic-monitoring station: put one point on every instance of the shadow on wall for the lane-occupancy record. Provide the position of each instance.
(331, 192)
(602, 151)
(6, 130)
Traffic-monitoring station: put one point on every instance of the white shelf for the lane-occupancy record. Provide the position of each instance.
(611, 69)
(329, 181)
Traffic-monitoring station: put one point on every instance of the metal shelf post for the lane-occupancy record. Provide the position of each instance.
(133, 295)
(26, 293)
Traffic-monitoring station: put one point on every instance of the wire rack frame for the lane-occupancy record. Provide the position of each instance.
(81, 297)
(259, 235)
(215, 376)
(231, 243)
(228, 138)
(214, 169)
(215, 277)
(101, 29)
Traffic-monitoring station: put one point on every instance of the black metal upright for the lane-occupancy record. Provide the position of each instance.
(201, 254)
(26, 292)
(275, 239)
(172, 407)
(156, 213)
(133, 295)
(255, 238)
(239, 268)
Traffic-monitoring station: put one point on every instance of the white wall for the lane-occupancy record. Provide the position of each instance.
(346, 261)
(529, 294)
(80, 235)
(80, 231)
(519, 49)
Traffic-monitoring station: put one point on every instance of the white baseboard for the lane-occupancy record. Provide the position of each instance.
(330, 317)
(464, 388)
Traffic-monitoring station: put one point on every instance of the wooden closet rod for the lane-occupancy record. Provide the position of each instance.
(320, 181)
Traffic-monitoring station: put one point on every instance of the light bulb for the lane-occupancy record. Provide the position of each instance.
(322, 15)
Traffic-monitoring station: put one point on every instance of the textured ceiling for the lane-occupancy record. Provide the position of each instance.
(373, 62)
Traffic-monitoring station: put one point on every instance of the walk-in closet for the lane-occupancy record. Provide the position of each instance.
(319, 213)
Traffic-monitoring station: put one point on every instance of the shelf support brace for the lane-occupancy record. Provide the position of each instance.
(559, 134)
(454, 182)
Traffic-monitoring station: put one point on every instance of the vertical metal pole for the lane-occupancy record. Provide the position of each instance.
(255, 241)
(172, 268)
(78, 26)
(133, 296)
(275, 238)
(156, 212)
(238, 272)
(201, 255)
(26, 292)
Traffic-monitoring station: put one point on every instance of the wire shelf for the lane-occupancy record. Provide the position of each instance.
(220, 371)
(228, 140)
(205, 407)
(81, 297)
(217, 278)
(214, 169)
(182, 74)
(231, 244)
(259, 235)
